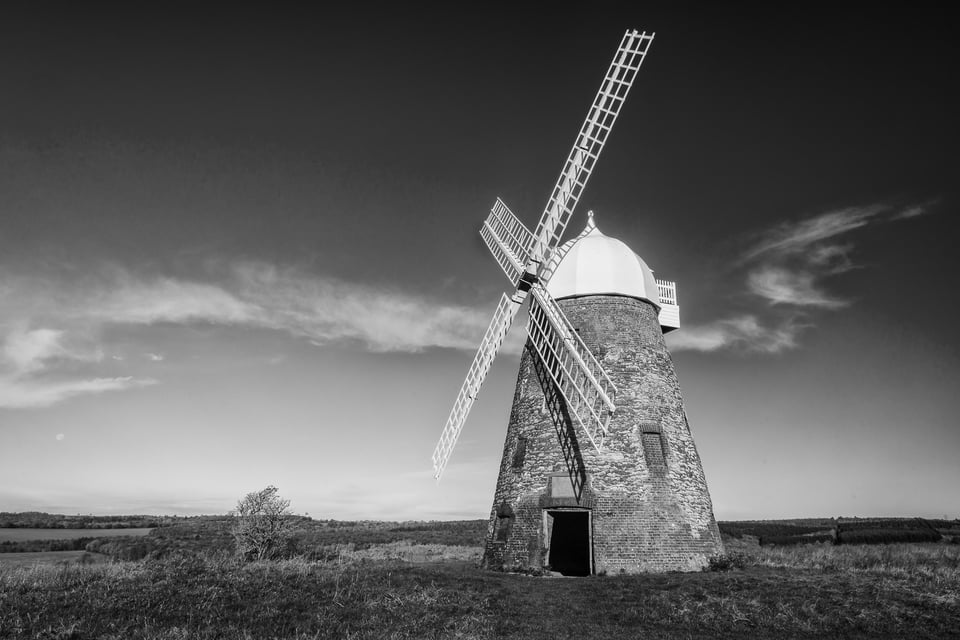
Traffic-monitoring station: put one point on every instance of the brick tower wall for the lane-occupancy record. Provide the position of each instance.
(646, 492)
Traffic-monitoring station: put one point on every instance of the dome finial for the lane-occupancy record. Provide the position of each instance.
(591, 223)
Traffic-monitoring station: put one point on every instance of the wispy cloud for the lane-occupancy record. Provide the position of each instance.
(913, 211)
(788, 267)
(790, 262)
(794, 237)
(780, 285)
(255, 295)
(743, 333)
(318, 309)
(31, 394)
(27, 356)
(26, 350)
(121, 297)
(329, 310)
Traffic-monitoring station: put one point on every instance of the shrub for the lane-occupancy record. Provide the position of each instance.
(726, 562)
(262, 529)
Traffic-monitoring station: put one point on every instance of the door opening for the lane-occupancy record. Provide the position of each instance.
(570, 551)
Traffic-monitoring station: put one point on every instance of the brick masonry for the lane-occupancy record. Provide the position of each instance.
(650, 508)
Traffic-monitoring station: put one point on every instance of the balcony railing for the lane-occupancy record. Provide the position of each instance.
(667, 291)
(669, 310)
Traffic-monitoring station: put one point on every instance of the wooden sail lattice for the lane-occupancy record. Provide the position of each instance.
(508, 239)
(529, 260)
(482, 361)
(583, 383)
(590, 140)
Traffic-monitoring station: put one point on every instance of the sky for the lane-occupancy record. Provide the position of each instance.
(239, 246)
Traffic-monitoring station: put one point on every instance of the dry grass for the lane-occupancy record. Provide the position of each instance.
(28, 559)
(403, 551)
(807, 591)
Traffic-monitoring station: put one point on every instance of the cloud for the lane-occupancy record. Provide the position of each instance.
(834, 258)
(69, 317)
(783, 286)
(27, 356)
(790, 261)
(744, 333)
(786, 266)
(329, 310)
(794, 237)
(126, 299)
(32, 394)
(26, 350)
(250, 294)
(913, 211)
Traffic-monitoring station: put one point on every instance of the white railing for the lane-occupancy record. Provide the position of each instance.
(667, 291)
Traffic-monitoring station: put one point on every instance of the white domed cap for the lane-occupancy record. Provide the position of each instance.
(595, 264)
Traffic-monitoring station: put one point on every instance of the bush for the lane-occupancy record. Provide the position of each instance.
(262, 529)
(726, 562)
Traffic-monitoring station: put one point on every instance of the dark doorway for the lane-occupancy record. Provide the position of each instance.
(570, 542)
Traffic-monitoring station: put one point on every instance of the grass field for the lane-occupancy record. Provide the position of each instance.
(807, 591)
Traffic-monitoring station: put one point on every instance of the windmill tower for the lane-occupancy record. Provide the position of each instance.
(599, 470)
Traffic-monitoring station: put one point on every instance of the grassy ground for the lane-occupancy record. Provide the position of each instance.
(809, 591)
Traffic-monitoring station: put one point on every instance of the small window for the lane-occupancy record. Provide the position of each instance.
(504, 522)
(653, 446)
(520, 453)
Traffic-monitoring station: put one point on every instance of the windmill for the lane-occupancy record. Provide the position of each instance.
(580, 509)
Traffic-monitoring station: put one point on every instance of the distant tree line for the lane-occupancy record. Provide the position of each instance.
(771, 529)
(41, 520)
(844, 530)
(26, 546)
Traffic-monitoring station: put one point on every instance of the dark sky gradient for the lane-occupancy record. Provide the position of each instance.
(183, 189)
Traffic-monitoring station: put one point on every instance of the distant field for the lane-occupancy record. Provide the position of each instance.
(18, 535)
(50, 557)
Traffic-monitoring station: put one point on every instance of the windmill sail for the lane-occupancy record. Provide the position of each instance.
(555, 404)
(581, 380)
(508, 239)
(528, 259)
(494, 337)
(593, 135)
